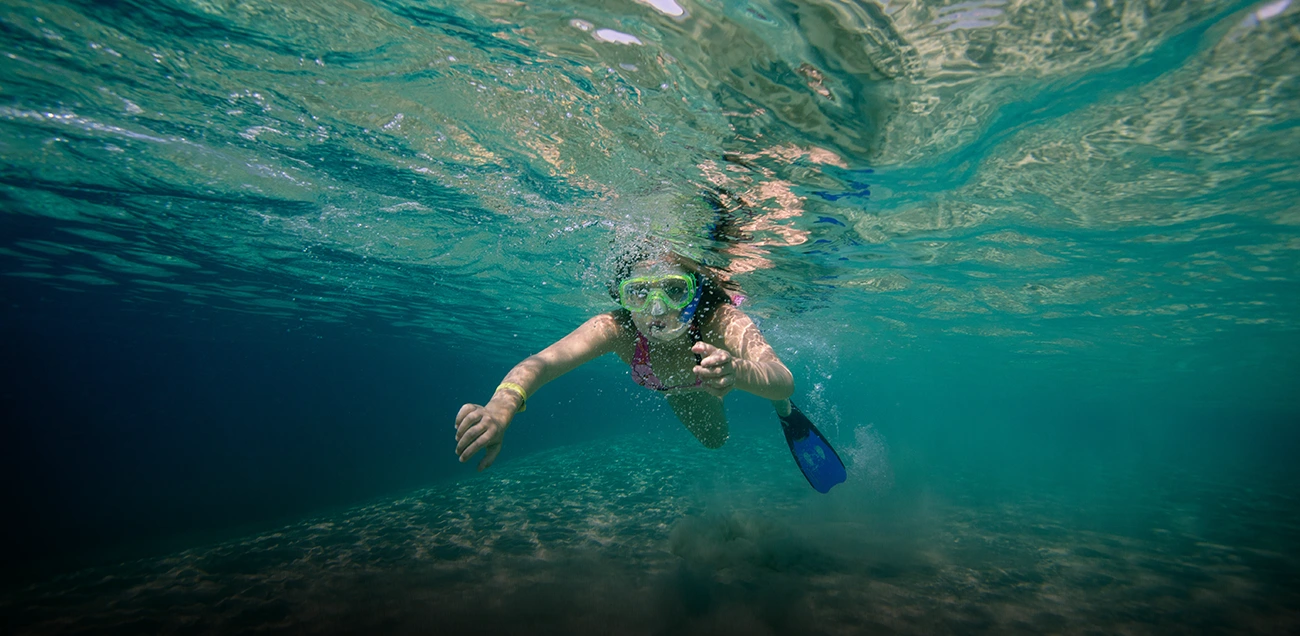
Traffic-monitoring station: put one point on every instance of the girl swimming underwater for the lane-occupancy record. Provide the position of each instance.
(681, 335)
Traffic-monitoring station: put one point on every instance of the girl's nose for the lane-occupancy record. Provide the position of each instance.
(657, 307)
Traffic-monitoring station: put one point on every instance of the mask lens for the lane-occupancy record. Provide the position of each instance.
(674, 291)
(635, 293)
(677, 290)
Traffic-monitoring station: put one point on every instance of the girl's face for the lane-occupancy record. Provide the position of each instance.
(657, 320)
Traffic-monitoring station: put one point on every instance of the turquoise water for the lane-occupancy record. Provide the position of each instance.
(1034, 267)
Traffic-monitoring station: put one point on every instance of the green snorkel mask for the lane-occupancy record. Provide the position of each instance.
(675, 292)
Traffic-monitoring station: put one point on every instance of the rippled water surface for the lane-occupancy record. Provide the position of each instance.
(1122, 173)
(1048, 237)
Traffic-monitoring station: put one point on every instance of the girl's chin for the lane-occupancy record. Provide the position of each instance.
(660, 328)
(660, 333)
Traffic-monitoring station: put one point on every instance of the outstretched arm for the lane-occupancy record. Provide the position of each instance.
(480, 427)
(745, 360)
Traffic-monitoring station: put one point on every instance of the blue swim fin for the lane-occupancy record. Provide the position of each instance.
(818, 461)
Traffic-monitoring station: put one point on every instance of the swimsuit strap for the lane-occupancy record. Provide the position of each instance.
(642, 353)
(642, 372)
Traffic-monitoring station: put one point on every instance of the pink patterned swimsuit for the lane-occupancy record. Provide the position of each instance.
(644, 374)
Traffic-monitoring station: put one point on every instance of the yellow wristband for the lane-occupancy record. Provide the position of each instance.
(511, 386)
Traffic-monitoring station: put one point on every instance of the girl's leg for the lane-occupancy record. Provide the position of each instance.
(782, 407)
(702, 415)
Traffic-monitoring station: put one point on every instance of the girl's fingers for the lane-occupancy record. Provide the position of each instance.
(711, 356)
(715, 354)
(716, 359)
(474, 432)
(464, 410)
(469, 437)
(713, 372)
(478, 445)
(466, 421)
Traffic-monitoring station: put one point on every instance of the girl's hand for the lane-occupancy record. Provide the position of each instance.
(480, 428)
(717, 369)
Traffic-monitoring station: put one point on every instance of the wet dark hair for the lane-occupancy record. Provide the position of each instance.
(729, 213)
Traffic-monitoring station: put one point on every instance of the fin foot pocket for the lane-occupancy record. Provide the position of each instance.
(820, 464)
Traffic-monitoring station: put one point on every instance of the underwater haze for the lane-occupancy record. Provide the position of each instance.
(1034, 265)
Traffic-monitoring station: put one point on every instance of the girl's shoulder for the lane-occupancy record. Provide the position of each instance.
(726, 315)
(721, 322)
(623, 332)
(611, 326)
(619, 321)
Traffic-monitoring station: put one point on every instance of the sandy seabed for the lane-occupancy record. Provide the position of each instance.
(638, 537)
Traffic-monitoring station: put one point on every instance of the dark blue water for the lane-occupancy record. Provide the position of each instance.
(133, 434)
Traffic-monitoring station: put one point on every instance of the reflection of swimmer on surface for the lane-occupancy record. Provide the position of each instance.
(683, 336)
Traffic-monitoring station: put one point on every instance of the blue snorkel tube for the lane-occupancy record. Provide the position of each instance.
(688, 312)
